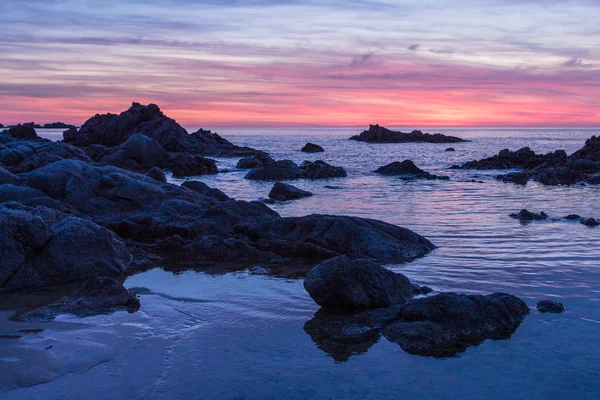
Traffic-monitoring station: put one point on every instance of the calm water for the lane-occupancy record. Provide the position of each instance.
(240, 336)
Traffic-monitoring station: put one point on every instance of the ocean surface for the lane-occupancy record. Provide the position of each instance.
(241, 336)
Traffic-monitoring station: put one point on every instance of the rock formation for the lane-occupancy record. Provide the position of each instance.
(379, 134)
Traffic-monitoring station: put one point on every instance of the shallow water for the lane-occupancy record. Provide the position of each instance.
(240, 336)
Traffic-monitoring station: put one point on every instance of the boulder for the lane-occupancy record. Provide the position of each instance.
(23, 132)
(379, 134)
(312, 148)
(275, 171)
(203, 188)
(157, 174)
(526, 215)
(573, 217)
(261, 158)
(450, 149)
(519, 178)
(549, 306)
(8, 178)
(138, 152)
(591, 222)
(407, 170)
(321, 170)
(283, 191)
(352, 285)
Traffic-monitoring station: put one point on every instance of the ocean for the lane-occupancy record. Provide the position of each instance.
(241, 336)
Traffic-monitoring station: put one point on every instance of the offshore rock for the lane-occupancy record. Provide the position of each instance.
(407, 170)
(379, 134)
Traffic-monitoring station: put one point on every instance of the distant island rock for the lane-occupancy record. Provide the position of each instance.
(312, 148)
(379, 134)
(58, 125)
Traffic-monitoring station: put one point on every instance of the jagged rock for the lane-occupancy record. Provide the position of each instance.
(111, 130)
(526, 215)
(157, 174)
(283, 191)
(379, 134)
(407, 170)
(354, 285)
(312, 148)
(549, 306)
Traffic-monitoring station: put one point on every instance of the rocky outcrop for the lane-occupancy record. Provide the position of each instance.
(283, 191)
(361, 300)
(555, 168)
(549, 306)
(111, 130)
(526, 215)
(58, 125)
(407, 170)
(22, 132)
(341, 284)
(312, 148)
(519, 178)
(379, 134)
(289, 170)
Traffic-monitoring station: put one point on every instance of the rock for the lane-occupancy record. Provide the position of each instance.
(111, 130)
(258, 270)
(591, 222)
(519, 178)
(321, 170)
(185, 164)
(283, 191)
(275, 171)
(417, 290)
(445, 324)
(1, 126)
(203, 188)
(8, 178)
(138, 153)
(526, 215)
(22, 132)
(157, 174)
(58, 125)
(98, 295)
(407, 170)
(351, 285)
(36, 253)
(450, 149)
(259, 159)
(573, 217)
(549, 306)
(312, 148)
(332, 187)
(379, 134)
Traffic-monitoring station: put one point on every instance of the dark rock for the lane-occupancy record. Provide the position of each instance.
(137, 153)
(185, 164)
(526, 215)
(450, 149)
(379, 134)
(321, 170)
(111, 130)
(283, 191)
(275, 171)
(417, 290)
(591, 222)
(1, 126)
(519, 178)
(445, 324)
(8, 178)
(332, 187)
(22, 132)
(312, 148)
(98, 295)
(351, 285)
(203, 188)
(573, 217)
(58, 125)
(407, 170)
(258, 160)
(549, 306)
(157, 174)
(36, 253)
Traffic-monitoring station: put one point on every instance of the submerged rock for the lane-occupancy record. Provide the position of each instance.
(312, 148)
(591, 222)
(289, 170)
(450, 149)
(526, 215)
(407, 170)
(519, 178)
(379, 134)
(549, 306)
(573, 217)
(283, 191)
(351, 285)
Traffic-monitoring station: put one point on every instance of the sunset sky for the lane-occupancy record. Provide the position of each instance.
(306, 62)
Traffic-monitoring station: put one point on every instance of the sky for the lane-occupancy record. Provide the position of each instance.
(304, 62)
